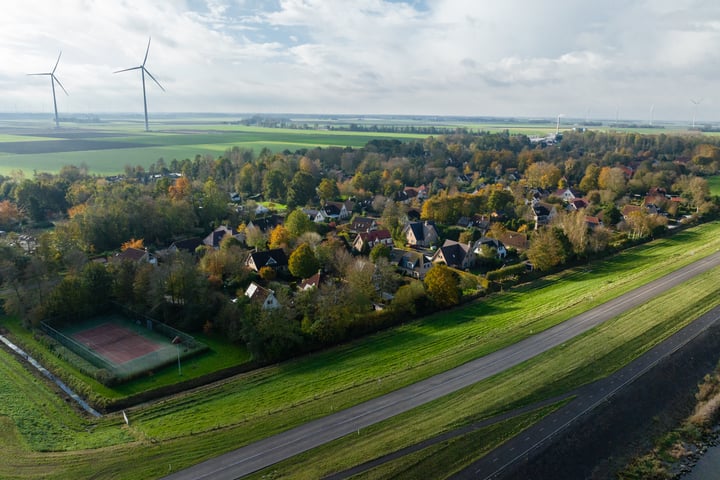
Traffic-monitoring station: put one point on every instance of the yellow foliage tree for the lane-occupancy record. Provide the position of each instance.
(132, 243)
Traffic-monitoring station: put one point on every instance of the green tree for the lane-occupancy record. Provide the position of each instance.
(380, 251)
(301, 189)
(442, 286)
(297, 223)
(590, 180)
(302, 262)
(328, 190)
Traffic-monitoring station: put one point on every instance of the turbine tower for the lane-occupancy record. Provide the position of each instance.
(143, 71)
(652, 113)
(695, 107)
(54, 79)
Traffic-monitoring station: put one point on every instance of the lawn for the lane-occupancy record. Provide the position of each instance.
(275, 398)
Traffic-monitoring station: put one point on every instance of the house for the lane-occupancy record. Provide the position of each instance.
(409, 193)
(492, 243)
(577, 204)
(338, 210)
(265, 224)
(135, 255)
(593, 222)
(188, 245)
(273, 258)
(567, 194)
(311, 282)
(421, 234)
(627, 210)
(455, 254)
(216, 236)
(515, 240)
(363, 224)
(367, 240)
(410, 262)
(261, 296)
(543, 213)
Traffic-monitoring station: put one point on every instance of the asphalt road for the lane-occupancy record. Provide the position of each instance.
(266, 452)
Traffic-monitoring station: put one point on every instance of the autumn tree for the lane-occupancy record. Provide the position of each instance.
(547, 249)
(302, 262)
(543, 175)
(301, 189)
(590, 179)
(279, 237)
(328, 190)
(443, 286)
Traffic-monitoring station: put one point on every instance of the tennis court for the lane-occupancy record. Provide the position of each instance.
(125, 347)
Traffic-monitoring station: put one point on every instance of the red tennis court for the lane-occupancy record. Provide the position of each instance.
(116, 343)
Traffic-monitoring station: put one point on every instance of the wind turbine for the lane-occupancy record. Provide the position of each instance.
(652, 113)
(695, 103)
(54, 79)
(557, 127)
(143, 71)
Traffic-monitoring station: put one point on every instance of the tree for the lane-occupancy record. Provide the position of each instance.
(279, 237)
(132, 243)
(543, 175)
(274, 186)
(380, 251)
(328, 190)
(443, 286)
(297, 223)
(590, 180)
(301, 189)
(546, 249)
(302, 262)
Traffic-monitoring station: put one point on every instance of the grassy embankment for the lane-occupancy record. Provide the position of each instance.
(188, 429)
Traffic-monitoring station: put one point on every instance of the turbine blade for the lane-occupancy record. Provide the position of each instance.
(128, 69)
(61, 85)
(154, 79)
(147, 50)
(56, 63)
(40, 73)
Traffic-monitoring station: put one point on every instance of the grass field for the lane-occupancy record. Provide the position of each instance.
(714, 184)
(107, 149)
(189, 428)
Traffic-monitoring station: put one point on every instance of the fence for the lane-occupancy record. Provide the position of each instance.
(78, 348)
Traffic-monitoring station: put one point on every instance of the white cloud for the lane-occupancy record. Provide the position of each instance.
(516, 57)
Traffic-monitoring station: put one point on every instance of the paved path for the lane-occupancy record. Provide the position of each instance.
(271, 450)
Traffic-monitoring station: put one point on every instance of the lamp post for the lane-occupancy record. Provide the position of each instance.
(177, 341)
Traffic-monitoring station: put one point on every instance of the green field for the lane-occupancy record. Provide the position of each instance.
(184, 430)
(714, 184)
(107, 150)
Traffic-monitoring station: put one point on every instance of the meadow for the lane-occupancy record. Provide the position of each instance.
(186, 429)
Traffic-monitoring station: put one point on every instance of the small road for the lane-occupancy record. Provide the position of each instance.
(266, 452)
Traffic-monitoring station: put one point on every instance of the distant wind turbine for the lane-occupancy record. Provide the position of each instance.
(54, 79)
(652, 113)
(143, 71)
(557, 127)
(695, 103)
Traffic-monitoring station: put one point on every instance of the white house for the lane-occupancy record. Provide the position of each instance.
(262, 296)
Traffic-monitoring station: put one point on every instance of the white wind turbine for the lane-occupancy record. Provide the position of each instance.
(54, 79)
(695, 107)
(143, 71)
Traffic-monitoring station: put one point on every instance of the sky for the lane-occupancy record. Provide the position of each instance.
(624, 59)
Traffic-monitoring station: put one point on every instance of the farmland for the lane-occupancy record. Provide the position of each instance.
(187, 429)
(106, 148)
